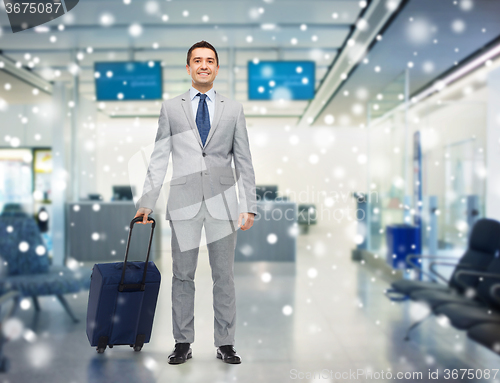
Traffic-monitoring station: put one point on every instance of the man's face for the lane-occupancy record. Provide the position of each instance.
(203, 66)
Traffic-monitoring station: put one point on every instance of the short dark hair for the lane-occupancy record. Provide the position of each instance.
(201, 44)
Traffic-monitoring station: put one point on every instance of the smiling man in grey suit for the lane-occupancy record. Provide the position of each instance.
(204, 131)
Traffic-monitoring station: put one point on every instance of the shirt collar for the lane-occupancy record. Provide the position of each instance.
(210, 94)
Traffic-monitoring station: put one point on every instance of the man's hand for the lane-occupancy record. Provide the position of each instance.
(143, 212)
(248, 218)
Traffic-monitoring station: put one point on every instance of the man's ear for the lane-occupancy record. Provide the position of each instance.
(187, 68)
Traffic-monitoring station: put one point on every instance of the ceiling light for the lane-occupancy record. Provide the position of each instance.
(461, 72)
(268, 27)
(42, 29)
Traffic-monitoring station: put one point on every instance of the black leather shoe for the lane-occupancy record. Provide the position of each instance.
(228, 354)
(181, 353)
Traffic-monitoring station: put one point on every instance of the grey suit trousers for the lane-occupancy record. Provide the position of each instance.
(221, 243)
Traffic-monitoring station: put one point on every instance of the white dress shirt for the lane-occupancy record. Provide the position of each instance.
(210, 102)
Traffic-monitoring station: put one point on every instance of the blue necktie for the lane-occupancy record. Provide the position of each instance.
(203, 118)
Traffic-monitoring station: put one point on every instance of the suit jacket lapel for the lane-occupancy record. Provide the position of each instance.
(219, 108)
(188, 109)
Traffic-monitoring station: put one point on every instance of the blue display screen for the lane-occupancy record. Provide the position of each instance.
(274, 80)
(134, 80)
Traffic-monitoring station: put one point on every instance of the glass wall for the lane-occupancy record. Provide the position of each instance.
(387, 168)
(454, 169)
(16, 176)
(452, 166)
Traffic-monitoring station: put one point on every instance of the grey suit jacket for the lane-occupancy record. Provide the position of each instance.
(201, 172)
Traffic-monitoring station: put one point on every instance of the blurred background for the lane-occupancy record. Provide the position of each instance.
(375, 136)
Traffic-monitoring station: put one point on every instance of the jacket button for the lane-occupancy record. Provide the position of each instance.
(204, 154)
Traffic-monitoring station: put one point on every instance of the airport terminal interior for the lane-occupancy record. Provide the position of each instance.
(374, 132)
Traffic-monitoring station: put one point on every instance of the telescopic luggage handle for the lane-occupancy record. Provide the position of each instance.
(141, 286)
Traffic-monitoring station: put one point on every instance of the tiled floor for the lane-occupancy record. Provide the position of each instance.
(340, 322)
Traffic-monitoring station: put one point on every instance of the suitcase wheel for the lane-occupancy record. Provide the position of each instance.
(110, 346)
(139, 342)
(4, 364)
(101, 345)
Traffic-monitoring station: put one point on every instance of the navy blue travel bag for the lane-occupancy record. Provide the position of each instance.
(122, 300)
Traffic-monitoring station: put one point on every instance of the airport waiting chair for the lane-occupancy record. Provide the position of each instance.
(464, 316)
(4, 299)
(486, 334)
(483, 245)
(484, 242)
(28, 266)
(478, 306)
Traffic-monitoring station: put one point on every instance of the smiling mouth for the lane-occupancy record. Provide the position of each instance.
(203, 74)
